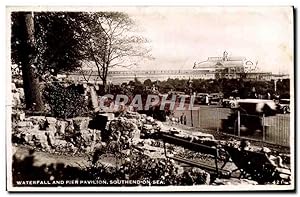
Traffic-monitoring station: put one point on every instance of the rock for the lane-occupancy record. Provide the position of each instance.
(150, 119)
(27, 138)
(13, 86)
(27, 124)
(99, 146)
(88, 149)
(197, 172)
(148, 141)
(158, 124)
(234, 181)
(58, 143)
(31, 143)
(110, 116)
(136, 136)
(133, 115)
(50, 138)
(21, 93)
(61, 127)
(70, 126)
(52, 129)
(97, 136)
(22, 116)
(16, 101)
(34, 137)
(87, 136)
(39, 138)
(51, 120)
(45, 123)
(81, 123)
(36, 120)
(19, 115)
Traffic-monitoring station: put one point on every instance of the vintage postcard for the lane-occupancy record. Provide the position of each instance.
(150, 99)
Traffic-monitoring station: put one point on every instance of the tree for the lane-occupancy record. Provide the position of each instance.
(58, 37)
(44, 43)
(111, 42)
(148, 82)
(24, 54)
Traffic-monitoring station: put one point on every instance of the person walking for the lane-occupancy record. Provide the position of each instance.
(181, 118)
(269, 96)
(206, 100)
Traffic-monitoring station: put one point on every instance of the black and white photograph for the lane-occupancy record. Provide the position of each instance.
(150, 98)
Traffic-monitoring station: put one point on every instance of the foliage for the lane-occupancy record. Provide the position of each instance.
(23, 53)
(283, 88)
(65, 102)
(148, 82)
(19, 38)
(229, 87)
(110, 42)
(134, 167)
(57, 40)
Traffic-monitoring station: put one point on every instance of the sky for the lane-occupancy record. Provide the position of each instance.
(180, 36)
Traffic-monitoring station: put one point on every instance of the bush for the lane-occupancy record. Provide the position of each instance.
(137, 166)
(64, 102)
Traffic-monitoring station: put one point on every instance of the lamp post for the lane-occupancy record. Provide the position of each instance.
(109, 84)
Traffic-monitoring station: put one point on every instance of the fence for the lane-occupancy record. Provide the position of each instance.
(277, 129)
(270, 129)
(205, 117)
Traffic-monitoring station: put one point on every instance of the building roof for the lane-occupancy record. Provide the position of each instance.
(214, 62)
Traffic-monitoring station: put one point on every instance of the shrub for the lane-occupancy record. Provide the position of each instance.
(64, 102)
